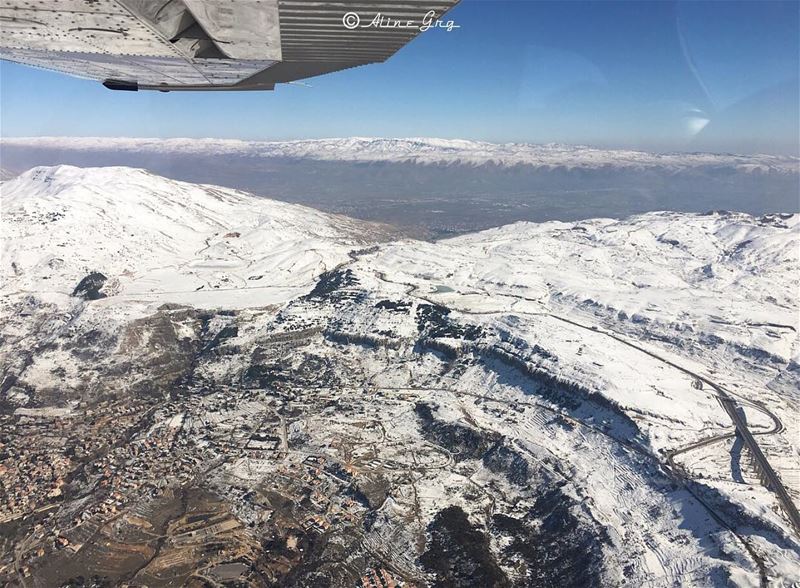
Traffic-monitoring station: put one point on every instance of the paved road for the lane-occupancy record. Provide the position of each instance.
(773, 482)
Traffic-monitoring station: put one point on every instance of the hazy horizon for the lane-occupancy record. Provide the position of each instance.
(597, 146)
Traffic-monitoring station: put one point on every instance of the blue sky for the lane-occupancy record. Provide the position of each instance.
(687, 75)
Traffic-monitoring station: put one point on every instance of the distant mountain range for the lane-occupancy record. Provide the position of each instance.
(441, 187)
(425, 151)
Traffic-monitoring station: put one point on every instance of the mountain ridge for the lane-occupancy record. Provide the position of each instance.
(206, 234)
(427, 151)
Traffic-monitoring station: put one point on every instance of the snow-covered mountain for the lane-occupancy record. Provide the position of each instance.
(157, 235)
(321, 400)
(424, 151)
(714, 273)
(715, 293)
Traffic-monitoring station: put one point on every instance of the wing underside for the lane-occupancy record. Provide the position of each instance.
(206, 44)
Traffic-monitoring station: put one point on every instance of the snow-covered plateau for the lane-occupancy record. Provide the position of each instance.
(201, 386)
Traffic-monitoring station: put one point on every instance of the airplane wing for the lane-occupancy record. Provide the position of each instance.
(208, 44)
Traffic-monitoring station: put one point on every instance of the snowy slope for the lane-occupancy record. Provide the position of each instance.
(150, 235)
(586, 345)
(722, 273)
(427, 151)
(616, 305)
